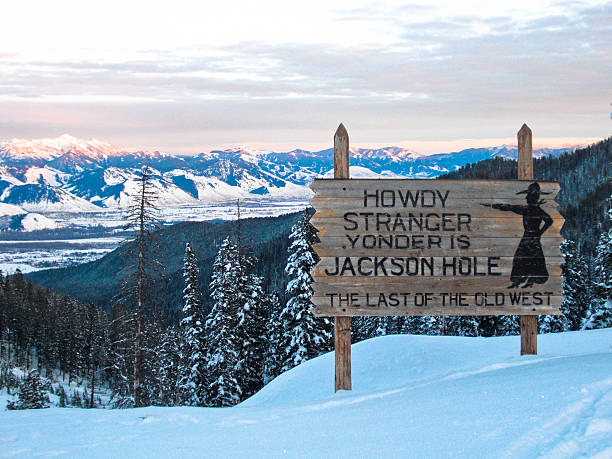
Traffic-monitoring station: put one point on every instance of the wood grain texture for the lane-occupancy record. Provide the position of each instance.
(470, 306)
(342, 324)
(529, 324)
(420, 246)
(419, 269)
(468, 188)
(529, 333)
(342, 347)
(479, 227)
(346, 285)
(341, 153)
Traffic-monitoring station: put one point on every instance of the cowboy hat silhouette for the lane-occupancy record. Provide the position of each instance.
(534, 188)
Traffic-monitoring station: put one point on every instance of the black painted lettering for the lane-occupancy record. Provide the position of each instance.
(464, 219)
(447, 264)
(463, 241)
(434, 241)
(428, 226)
(424, 200)
(387, 198)
(336, 271)
(366, 238)
(418, 241)
(360, 267)
(354, 224)
(352, 240)
(398, 222)
(347, 265)
(379, 263)
(443, 198)
(429, 264)
(447, 222)
(367, 195)
(492, 265)
(382, 220)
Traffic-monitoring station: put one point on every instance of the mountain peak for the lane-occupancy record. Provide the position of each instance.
(50, 148)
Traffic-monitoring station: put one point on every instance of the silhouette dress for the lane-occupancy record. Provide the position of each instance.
(529, 264)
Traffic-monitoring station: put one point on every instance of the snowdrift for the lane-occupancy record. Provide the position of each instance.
(414, 396)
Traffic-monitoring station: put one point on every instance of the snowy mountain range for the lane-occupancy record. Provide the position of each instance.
(70, 174)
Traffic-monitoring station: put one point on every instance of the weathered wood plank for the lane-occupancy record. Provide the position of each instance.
(479, 227)
(419, 245)
(362, 305)
(430, 284)
(467, 188)
(338, 207)
(419, 267)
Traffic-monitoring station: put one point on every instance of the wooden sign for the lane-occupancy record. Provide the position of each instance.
(436, 247)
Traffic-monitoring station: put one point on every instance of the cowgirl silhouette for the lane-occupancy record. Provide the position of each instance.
(529, 265)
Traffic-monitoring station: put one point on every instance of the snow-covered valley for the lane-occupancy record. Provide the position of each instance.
(414, 396)
(80, 237)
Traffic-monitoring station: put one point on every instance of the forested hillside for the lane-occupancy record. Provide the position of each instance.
(585, 182)
(100, 281)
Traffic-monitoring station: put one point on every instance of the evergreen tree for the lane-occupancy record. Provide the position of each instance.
(304, 336)
(272, 304)
(462, 326)
(192, 373)
(251, 328)
(31, 394)
(601, 306)
(167, 368)
(576, 290)
(223, 343)
(141, 217)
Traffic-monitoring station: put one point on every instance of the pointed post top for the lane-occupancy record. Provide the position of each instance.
(341, 131)
(524, 129)
(341, 153)
(525, 153)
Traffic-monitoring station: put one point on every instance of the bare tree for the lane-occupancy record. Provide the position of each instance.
(141, 216)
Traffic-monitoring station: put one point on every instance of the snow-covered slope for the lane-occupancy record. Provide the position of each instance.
(10, 209)
(32, 222)
(414, 396)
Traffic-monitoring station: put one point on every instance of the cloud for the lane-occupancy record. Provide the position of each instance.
(441, 78)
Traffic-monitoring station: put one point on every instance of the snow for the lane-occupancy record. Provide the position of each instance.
(362, 172)
(414, 396)
(10, 209)
(35, 222)
(47, 174)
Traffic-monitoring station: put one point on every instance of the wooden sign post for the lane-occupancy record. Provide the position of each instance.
(529, 324)
(342, 324)
(434, 248)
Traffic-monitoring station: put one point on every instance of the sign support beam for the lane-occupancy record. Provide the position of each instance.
(342, 325)
(529, 324)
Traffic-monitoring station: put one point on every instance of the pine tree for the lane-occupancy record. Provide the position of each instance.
(601, 305)
(462, 326)
(251, 328)
(192, 374)
(223, 343)
(141, 217)
(167, 368)
(31, 394)
(304, 336)
(576, 290)
(272, 304)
